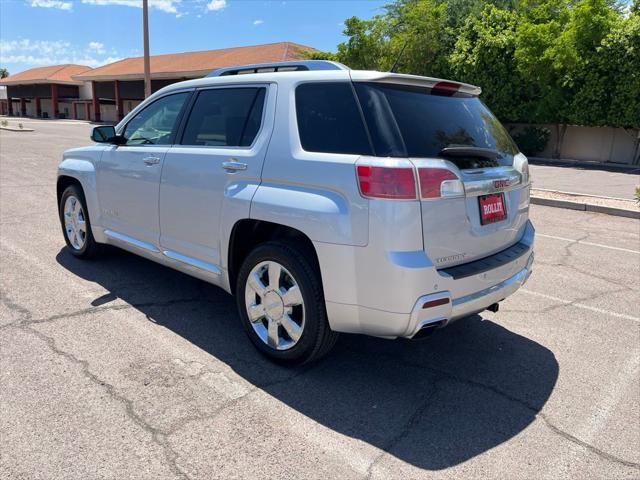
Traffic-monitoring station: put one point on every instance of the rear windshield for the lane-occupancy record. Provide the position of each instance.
(408, 121)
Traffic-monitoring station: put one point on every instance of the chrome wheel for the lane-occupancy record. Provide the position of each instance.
(274, 305)
(75, 224)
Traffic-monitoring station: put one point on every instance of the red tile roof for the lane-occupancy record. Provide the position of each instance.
(53, 74)
(196, 64)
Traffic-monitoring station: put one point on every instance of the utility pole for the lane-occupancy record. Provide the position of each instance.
(147, 62)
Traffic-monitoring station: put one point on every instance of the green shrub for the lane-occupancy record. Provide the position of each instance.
(532, 140)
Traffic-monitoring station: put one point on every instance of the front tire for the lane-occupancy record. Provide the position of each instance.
(76, 226)
(281, 304)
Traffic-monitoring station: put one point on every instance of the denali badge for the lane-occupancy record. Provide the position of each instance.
(502, 183)
(451, 258)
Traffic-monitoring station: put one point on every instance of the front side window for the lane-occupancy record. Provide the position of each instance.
(329, 120)
(225, 117)
(157, 123)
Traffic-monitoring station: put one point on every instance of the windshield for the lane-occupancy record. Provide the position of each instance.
(407, 121)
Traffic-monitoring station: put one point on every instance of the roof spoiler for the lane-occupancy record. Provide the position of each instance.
(444, 86)
(291, 66)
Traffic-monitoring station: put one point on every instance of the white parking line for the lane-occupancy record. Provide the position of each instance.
(581, 305)
(572, 240)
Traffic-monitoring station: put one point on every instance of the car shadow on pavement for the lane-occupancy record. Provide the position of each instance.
(433, 403)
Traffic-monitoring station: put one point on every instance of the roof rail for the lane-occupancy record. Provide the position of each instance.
(291, 66)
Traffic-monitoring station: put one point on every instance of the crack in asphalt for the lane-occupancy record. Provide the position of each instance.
(157, 435)
(568, 253)
(536, 411)
(408, 426)
(256, 388)
(160, 437)
(29, 320)
(574, 302)
(23, 313)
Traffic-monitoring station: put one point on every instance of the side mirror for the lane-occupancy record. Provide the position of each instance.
(106, 134)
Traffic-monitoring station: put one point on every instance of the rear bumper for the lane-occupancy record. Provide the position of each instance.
(390, 298)
(449, 309)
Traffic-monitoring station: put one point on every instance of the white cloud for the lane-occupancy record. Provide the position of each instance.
(38, 53)
(258, 22)
(96, 47)
(215, 5)
(168, 6)
(59, 4)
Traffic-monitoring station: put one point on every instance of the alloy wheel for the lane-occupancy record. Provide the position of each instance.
(274, 305)
(75, 224)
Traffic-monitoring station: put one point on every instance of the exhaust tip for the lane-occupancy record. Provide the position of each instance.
(427, 330)
(494, 307)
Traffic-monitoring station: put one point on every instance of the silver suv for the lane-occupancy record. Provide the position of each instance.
(326, 199)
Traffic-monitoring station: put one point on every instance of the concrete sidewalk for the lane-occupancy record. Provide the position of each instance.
(586, 179)
(595, 188)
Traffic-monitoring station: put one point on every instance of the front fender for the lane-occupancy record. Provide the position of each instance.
(80, 165)
(323, 215)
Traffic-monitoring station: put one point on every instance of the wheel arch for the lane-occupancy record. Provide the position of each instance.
(81, 172)
(65, 181)
(248, 233)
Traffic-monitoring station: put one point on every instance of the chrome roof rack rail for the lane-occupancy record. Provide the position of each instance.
(291, 66)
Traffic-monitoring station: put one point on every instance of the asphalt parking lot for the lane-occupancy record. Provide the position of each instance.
(120, 368)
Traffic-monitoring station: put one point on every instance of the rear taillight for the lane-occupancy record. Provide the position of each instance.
(387, 182)
(521, 164)
(396, 180)
(439, 182)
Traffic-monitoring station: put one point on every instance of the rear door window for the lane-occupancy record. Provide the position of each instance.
(225, 117)
(329, 119)
(410, 121)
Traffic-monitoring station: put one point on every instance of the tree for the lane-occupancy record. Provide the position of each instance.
(484, 55)
(538, 61)
(557, 44)
(609, 86)
(409, 35)
(4, 73)
(367, 47)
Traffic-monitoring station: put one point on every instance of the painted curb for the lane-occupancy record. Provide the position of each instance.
(585, 207)
(15, 129)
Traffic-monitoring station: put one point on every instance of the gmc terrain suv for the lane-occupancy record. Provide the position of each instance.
(326, 199)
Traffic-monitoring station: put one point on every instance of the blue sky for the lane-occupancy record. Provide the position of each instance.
(94, 32)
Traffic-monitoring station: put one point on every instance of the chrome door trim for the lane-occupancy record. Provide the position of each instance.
(151, 160)
(194, 262)
(233, 165)
(131, 241)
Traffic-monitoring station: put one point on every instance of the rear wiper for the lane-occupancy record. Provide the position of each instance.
(468, 151)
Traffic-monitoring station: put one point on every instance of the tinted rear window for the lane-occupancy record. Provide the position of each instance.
(329, 119)
(408, 121)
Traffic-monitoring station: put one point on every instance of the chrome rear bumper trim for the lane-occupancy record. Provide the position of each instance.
(467, 305)
(478, 301)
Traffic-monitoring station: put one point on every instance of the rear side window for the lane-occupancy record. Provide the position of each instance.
(225, 117)
(329, 120)
(409, 121)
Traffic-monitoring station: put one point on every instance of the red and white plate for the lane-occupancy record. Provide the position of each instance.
(492, 208)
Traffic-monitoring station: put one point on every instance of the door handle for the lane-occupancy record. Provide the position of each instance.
(151, 160)
(234, 166)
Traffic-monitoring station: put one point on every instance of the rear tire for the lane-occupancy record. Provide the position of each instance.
(280, 288)
(76, 225)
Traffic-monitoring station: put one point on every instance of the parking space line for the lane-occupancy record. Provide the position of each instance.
(573, 240)
(581, 305)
